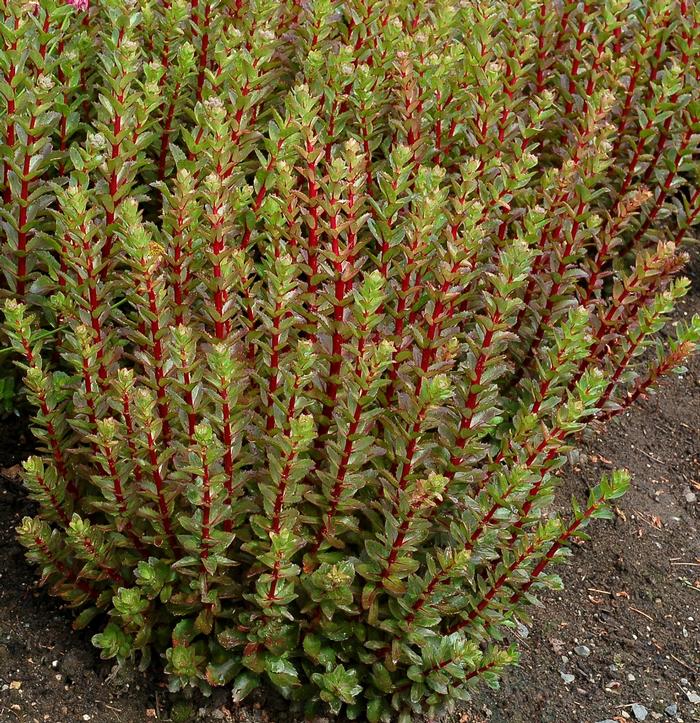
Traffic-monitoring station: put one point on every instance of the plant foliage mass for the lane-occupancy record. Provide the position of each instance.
(312, 299)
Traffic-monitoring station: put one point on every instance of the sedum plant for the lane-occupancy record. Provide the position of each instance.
(313, 299)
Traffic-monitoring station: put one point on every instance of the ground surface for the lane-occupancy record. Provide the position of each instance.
(622, 643)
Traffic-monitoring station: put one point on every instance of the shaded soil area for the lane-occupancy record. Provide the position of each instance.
(622, 643)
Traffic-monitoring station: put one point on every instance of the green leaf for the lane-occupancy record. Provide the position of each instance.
(244, 684)
(281, 672)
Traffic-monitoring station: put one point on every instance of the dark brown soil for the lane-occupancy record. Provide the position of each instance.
(632, 599)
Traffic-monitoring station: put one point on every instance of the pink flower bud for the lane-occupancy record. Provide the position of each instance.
(79, 4)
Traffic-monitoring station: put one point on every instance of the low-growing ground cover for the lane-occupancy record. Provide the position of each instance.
(313, 302)
(631, 571)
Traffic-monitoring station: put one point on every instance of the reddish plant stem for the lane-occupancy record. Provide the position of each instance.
(631, 87)
(473, 398)
(189, 400)
(50, 429)
(55, 504)
(656, 56)
(400, 538)
(276, 525)
(407, 464)
(221, 326)
(274, 366)
(557, 545)
(339, 484)
(348, 447)
(228, 450)
(546, 383)
(162, 397)
(68, 573)
(312, 224)
(56, 448)
(11, 109)
(63, 122)
(113, 185)
(180, 290)
(340, 287)
(257, 204)
(22, 233)
(643, 386)
(399, 323)
(576, 62)
(553, 292)
(90, 280)
(555, 436)
(206, 513)
(275, 578)
(663, 137)
(114, 575)
(532, 496)
(427, 593)
(167, 130)
(684, 61)
(632, 166)
(160, 492)
(622, 123)
(694, 206)
(562, 198)
(595, 279)
(281, 492)
(542, 47)
(129, 424)
(440, 666)
(621, 366)
(507, 90)
(204, 48)
(90, 400)
(165, 53)
(493, 590)
(663, 191)
(607, 320)
(561, 35)
(121, 502)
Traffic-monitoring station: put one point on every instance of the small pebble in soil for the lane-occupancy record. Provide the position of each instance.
(694, 698)
(567, 678)
(671, 710)
(639, 711)
(691, 497)
(582, 650)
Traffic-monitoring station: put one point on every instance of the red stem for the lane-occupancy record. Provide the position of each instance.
(129, 424)
(167, 129)
(160, 491)
(67, 573)
(204, 49)
(11, 108)
(22, 233)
